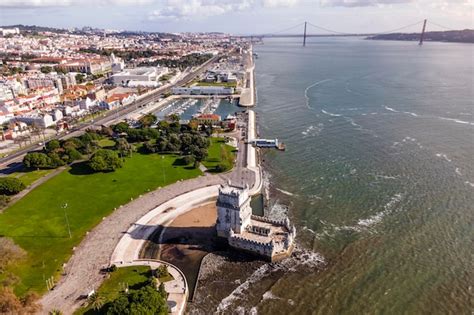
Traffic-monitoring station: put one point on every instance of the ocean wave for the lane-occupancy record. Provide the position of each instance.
(366, 223)
(469, 183)
(458, 171)
(299, 259)
(277, 211)
(309, 87)
(385, 176)
(330, 114)
(270, 296)
(313, 130)
(464, 122)
(444, 156)
(411, 114)
(391, 109)
(285, 192)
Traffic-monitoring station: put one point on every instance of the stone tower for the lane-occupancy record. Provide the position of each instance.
(233, 210)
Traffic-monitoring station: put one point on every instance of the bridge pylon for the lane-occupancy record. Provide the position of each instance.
(422, 35)
(304, 34)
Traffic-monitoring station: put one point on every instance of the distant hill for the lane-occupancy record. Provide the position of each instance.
(464, 36)
(35, 28)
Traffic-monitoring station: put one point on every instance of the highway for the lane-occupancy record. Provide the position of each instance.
(13, 161)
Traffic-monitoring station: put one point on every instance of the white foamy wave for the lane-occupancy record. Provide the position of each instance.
(444, 156)
(305, 228)
(270, 296)
(469, 183)
(391, 109)
(239, 291)
(364, 224)
(285, 192)
(299, 258)
(411, 114)
(313, 130)
(457, 121)
(310, 87)
(386, 177)
(330, 114)
(377, 218)
(277, 211)
(374, 219)
(458, 171)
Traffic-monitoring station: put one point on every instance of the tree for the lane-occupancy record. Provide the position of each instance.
(123, 147)
(37, 160)
(105, 161)
(148, 120)
(96, 301)
(10, 186)
(4, 200)
(9, 252)
(46, 69)
(188, 159)
(72, 155)
(121, 127)
(146, 300)
(53, 145)
(80, 78)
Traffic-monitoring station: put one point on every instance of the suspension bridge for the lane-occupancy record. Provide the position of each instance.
(306, 27)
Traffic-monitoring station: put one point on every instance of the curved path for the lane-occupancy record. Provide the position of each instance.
(94, 252)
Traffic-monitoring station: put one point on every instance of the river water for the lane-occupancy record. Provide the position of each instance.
(378, 174)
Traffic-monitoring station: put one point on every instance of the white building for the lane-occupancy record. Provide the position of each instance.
(9, 31)
(244, 231)
(57, 115)
(41, 120)
(141, 74)
(203, 90)
(117, 64)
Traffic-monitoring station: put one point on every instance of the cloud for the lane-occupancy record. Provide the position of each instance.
(65, 3)
(360, 3)
(185, 9)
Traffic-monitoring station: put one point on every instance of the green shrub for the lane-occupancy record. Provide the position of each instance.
(10, 186)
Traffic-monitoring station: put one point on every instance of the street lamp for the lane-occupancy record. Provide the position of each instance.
(163, 169)
(64, 206)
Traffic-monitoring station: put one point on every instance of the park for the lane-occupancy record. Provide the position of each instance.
(53, 218)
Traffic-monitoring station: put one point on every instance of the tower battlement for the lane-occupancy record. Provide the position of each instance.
(251, 233)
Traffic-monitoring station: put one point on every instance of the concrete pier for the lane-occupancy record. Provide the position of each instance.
(247, 96)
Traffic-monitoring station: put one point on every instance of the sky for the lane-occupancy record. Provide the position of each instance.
(241, 17)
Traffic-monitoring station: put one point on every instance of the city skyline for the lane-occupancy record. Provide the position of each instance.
(238, 17)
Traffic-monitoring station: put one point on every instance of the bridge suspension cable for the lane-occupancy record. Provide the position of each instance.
(439, 25)
(380, 33)
(284, 30)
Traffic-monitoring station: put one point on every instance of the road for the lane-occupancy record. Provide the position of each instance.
(13, 161)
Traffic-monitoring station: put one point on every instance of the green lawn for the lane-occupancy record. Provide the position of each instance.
(215, 154)
(225, 84)
(133, 277)
(28, 177)
(37, 221)
(106, 143)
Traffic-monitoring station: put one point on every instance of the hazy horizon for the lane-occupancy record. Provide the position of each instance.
(239, 17)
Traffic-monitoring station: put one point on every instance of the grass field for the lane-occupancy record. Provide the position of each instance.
(224, 84)
(215, 156)
(106, 143)
(28, 177)
(37, 221)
